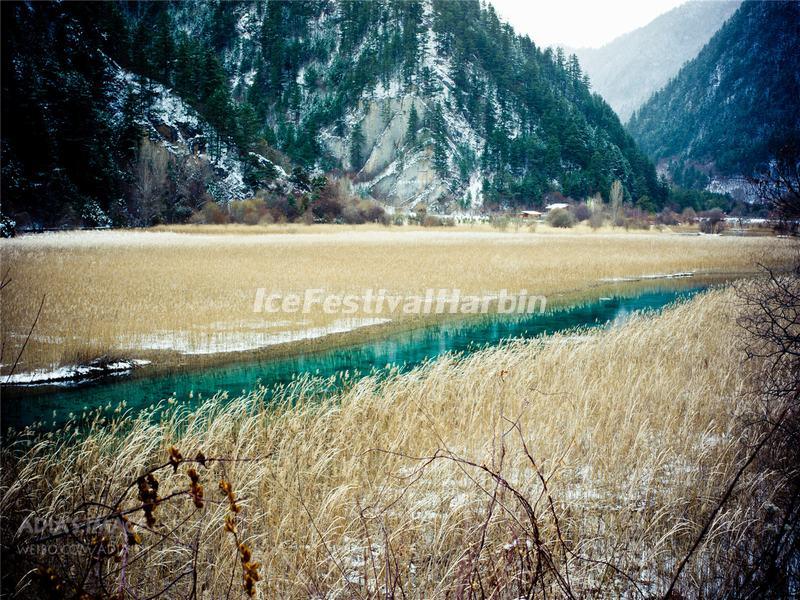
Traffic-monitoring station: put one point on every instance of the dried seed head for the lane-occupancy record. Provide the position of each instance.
(228, 491)
(175, 458)
(230, 524)
(250, 576)
(134, 538)
(148, 494)
(195, 489)
(198, 496)
(244, 550)
(152, 481)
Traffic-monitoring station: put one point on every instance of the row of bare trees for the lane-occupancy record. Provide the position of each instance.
(166, 187)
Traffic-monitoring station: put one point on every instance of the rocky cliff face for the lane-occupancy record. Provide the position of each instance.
(495, 113)
(168, 120)
(420, 101)
(398, 171)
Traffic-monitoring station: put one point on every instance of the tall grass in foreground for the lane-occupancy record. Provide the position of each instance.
(619, 442)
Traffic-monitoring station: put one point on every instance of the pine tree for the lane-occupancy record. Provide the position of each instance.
(130, 132)
(218, 112)
(163, 48)
(356, 146)
(560, 60)
(186, 77)
(247, 127)
(428, 84)
(439, 131)
(574, 70)
(214, 77)
(223, 25)
(413, 124)
(140, 58)
(272, 49)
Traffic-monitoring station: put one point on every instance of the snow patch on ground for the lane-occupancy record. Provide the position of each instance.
(653, 276)
(74, 372)
(236, 341)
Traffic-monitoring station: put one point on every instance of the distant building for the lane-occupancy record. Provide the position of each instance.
(530, 214)
(554, 205)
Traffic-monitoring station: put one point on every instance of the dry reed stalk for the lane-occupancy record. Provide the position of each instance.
(620, 441)
(157, 295)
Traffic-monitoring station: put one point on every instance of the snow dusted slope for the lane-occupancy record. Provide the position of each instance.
(400, 171)
(181, 130)
(334, 84)
(629, 69)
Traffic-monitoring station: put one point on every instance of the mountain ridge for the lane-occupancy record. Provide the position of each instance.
(633, 66)
(438, 61)
(727, 110)
(328, 85)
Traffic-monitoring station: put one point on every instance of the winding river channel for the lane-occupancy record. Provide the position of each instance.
(52, 404)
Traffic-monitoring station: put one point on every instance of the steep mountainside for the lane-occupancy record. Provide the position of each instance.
(427, 101)
(629, 69)
(727, 108)
(84, 140)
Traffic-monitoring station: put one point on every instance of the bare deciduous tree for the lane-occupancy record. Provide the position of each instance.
(191, 176)
(778, 187)
(615, 199)
(150, 184)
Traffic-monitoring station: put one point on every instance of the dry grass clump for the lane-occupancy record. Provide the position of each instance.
(166, 296)
(563, 466)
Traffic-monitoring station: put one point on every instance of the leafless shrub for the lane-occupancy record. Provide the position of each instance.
(688, 215)
(667, 217)
(772, 322)
(636, 218)
(559, 217)
(98, 547)
(712, 221)
(597, 219)
(580, 211)
(767, 562)
(211, 213)
(190, 176)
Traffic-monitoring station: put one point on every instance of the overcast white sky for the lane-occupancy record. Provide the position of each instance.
(579, 23)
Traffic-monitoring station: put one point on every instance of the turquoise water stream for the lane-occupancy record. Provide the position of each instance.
(24, 405)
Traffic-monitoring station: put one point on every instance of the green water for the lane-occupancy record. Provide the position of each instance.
(25, 405)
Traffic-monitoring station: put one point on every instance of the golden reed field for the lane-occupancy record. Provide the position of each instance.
(177, 296)
(585, 463)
